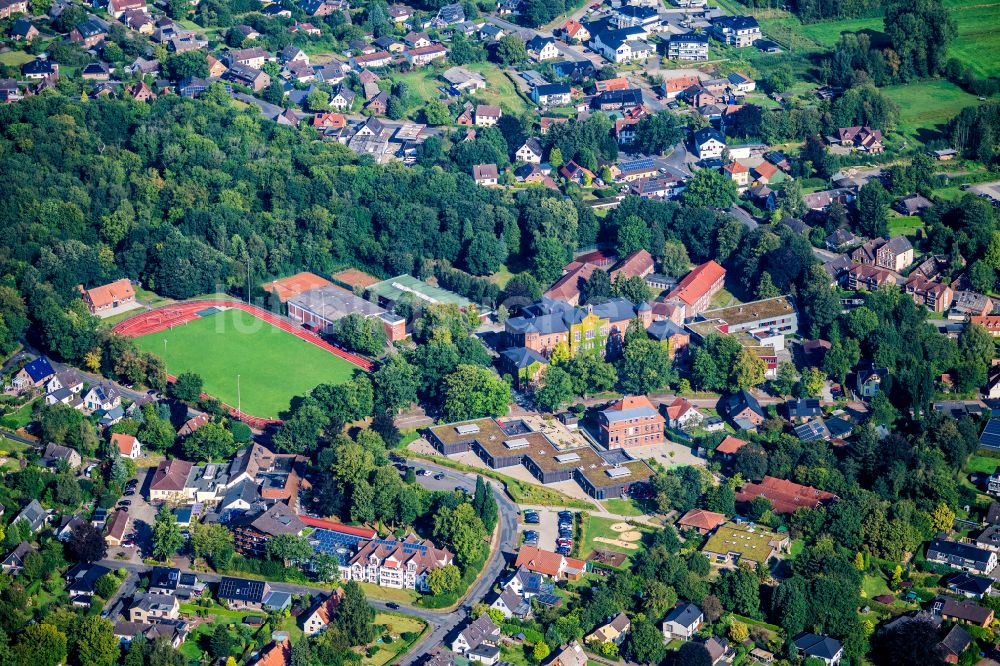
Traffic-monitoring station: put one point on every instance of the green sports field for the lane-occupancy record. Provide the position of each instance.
(274, 366)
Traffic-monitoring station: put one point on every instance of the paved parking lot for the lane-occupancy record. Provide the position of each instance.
(141, 515)
(547, 527)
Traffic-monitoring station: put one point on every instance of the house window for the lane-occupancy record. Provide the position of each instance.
(590, 334)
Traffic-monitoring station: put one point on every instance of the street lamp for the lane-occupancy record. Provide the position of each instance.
(239, 411)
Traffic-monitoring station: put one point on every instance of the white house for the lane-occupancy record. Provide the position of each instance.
(620, 46)
(682, 622)
(542, 48)
(709, 143)
(530, 152)
(479, 632)
(128, 446)
(102, 397)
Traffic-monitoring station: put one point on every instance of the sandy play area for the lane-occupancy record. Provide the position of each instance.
(627, 537)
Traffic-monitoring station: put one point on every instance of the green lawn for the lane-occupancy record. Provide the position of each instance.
(626, 507)
(978, 36)
(272, 366)
(926, 107)
(389, 593)
(15, 58)
(900, 225)
(396, 624)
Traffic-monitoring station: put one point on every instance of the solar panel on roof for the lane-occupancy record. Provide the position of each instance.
(467, 429)
(618, 472)
(518, 443)
(567, 457)
(991, 434)
(547, 599)
(637, 165)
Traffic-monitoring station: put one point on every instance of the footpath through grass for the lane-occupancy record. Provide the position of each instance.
(270, 365)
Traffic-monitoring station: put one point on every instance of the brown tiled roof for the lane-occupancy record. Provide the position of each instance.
(701, 519)
(636, 264)
(125, 443)
(171, 475)
(730, 445)
(398, 553)
(278, 654)
(107, 294)
(785, 496)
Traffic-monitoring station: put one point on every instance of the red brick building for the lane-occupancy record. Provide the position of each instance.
(698, 287)
(632, 421)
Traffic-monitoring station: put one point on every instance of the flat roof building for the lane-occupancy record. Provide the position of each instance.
(323, 307)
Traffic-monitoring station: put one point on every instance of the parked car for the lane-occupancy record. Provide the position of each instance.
(128, 493)
(125, 503)
(392, 605)
(439, 477)
(423, 472)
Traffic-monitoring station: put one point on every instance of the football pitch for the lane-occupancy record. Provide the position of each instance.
(273, 366)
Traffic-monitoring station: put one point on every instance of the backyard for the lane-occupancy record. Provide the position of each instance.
(246, 362)
(396, 625)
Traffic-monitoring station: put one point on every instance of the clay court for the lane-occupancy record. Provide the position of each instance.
(274, 359)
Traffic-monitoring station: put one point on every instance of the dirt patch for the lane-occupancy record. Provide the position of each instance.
(621, 527)
(615, 542)
(632, 536)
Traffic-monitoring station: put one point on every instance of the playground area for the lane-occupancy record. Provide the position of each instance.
(248, 358)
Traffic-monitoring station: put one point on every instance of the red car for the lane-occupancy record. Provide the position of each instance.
(595, 6)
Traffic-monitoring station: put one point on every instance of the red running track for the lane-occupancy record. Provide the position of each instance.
(181, 313)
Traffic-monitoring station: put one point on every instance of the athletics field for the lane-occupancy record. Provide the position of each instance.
(273, 366)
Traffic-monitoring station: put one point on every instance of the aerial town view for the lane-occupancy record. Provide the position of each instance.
(500, 332)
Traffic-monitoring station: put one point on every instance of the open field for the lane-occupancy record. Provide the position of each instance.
(396, 625)
(273, 366)
(925, 107)
(900, 225)
(15, 58)
(978, 37)
(500, 90)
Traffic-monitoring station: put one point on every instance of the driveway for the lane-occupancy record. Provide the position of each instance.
(141, 515)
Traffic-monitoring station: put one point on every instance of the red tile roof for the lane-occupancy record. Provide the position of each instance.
(124, 442)
(785, 496)
(278, 654)
(119, 290)
(294, 285)
(363, 532)
(701, 519)
(730, 445)
(697, 283)
(545, 562)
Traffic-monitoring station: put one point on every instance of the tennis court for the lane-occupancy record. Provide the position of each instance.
(273, 366)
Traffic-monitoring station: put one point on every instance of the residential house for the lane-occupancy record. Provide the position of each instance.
(895, 254)
(150, 607)
(709, 143)
(117, 8)
(571, 655)
(485, 174)
(399, 13)
(14, 562)
(738, 173)
(511, 604)
(140, 92)
(551, 94)
(671, 88)
(34, 515)
(248, 76)
(379, 104)
(117, 527)
(480, 631)
(550, 564)
(869, 379)
(254, 57)
(823, 648)
(868, 278)
(277, 653)
(970, 586)
(964, 612)
(743, 410)
(22, 29)
(683, 622)
(631, 16)
(962, 556)
(55, 452)
(728, 447)
(33, 375)
(253, 530)
(399, 564)
(575, 30)
(682, 414)
(935, 295)
(343, 98)
(242, 593)
(416, 40)
(127, 445)
(785, 496)
(375, 60)
(862, 138)
(622, 46)
(575, 173)
(89, 33)
(335, 121)
(739, 31)
(424, 55)
(617, 100)
(613, 631)
(530, 151)
(487, 115)
(39, 68)
(542, 48)
(523, 364)
(319, 615)
(955, 642)
(689, 46)
(702, 521)
(171, 581)
(9, 8)
(803, 409)
(912, 204)
(102, 397)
